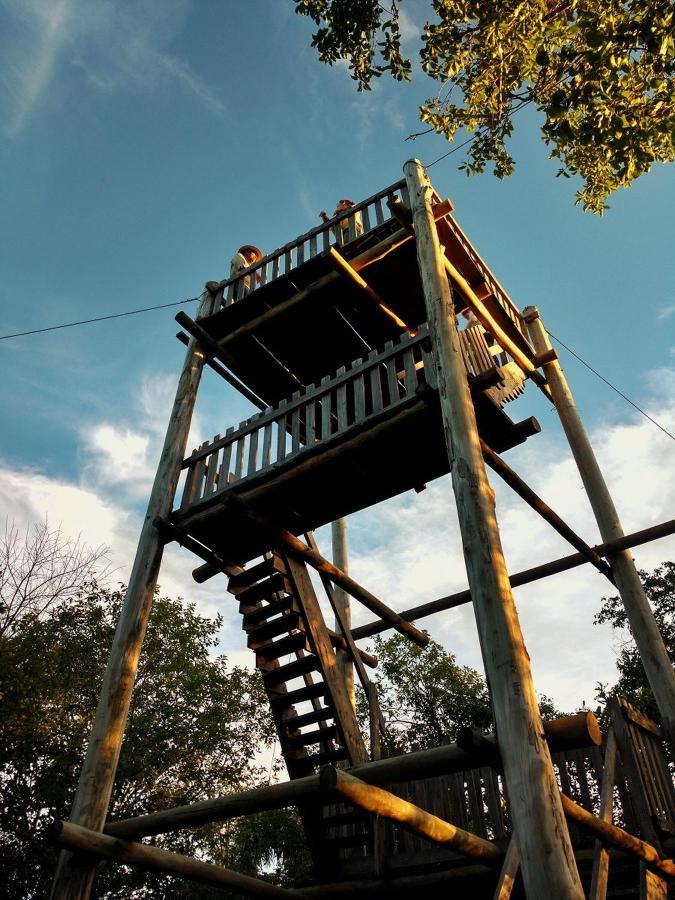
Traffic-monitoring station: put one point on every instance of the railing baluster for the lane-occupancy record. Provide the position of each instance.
(230, 293)
(325, 236)
(281, 434)
(300, 254)
(359, 393)
(310, 423)
(275, 268)
(224, 473)
(365, 214)
(312, 246)
(189, 489)
(392, 380)
(295, 426)
(252, 452)
(288, 262)
(351, 227)
(239, 457)
(341, 394)
(375, 384)
(267, 442)
(379, 213)
(408, 365)
(326, 411)
(211, 470)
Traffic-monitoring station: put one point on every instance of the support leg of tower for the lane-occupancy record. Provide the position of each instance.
(75, 875)
(548, 865)
(653, 653)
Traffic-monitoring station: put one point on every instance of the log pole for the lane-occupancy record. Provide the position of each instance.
(341, 560)
(652, 650)
(74, 875)
(549, 868)
(382, 803)
(527, 576)
(84, 840)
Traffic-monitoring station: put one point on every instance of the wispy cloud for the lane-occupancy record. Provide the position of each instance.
(117, 46)
(666, 311)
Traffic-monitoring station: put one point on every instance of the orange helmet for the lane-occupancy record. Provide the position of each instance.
(249, 248)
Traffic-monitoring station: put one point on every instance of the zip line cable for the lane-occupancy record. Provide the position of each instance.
(609, 384)
(131, 312)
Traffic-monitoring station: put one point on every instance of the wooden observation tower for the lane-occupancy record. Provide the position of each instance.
(382, 353)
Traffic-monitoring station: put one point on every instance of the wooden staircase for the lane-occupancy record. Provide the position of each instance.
(313, 715)
(314, 718)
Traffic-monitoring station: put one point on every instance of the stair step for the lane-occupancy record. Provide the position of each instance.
(263, 589)
(268, 630)
(285, 645)
(320, 735)
(316, 715)
(290, 698)
(307, 763)
(292, 670)
(250, 576)
(255, 614)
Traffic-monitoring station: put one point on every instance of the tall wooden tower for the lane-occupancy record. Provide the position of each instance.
(383, 353)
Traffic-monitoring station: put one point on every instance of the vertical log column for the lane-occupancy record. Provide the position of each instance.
(75, 875)
(653, 653)
(549, 868)
(341, 560)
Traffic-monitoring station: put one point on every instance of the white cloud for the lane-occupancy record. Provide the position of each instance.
(666, 311)
(119, 47)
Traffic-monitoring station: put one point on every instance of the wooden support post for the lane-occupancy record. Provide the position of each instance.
(341, 560)
(600, 874)
(527, 576)
(617, 837)
(383, 803)
(353, 277)
(509, 872)
(93, 843)
(657, 665)
(549, 868)
(652, 886)
(74, 875)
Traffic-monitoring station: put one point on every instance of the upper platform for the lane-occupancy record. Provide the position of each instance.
(340, 290)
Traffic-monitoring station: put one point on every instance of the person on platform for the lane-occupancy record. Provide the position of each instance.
(246, 256)
(341, 228)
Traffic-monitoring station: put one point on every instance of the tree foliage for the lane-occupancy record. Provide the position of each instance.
(194, 726)
(632, 684)
(600, 72)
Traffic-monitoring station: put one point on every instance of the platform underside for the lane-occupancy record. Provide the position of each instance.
(401, 449)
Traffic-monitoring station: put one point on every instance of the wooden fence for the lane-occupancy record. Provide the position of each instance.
(381, 382)
(358, 220)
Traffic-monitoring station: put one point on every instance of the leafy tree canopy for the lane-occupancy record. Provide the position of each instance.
(632, 683)
(194, 725)
(600, 71)
(426, 696)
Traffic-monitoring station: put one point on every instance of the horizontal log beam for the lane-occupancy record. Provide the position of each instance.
(567, 732)
(375, 800)
(226, 375)
(92, 843)
(281, 538)
(618, 838)
(527, 576)
(352, 276)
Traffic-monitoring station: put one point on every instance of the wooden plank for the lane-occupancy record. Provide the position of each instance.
(326, 411)
(211, 471)
(239, 458)
(638, 718)
(379, 212)
(310, 423)
(492, 801)
(409, 369)
(275, 268)
(252, 453)
(509, 872)
(359, 394)
(549, 867)
(365, 213)
(341, 401)
(652, 886)
(295, 426)
(319, 639)
(266, 458)
(312, 246)
(600, 874)
(476, 809)
(375, 386)
(224, 471)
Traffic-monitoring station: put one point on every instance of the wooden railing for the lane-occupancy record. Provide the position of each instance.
(382, 381)
(342, 229)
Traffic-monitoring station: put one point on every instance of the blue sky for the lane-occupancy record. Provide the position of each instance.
(142, 142)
